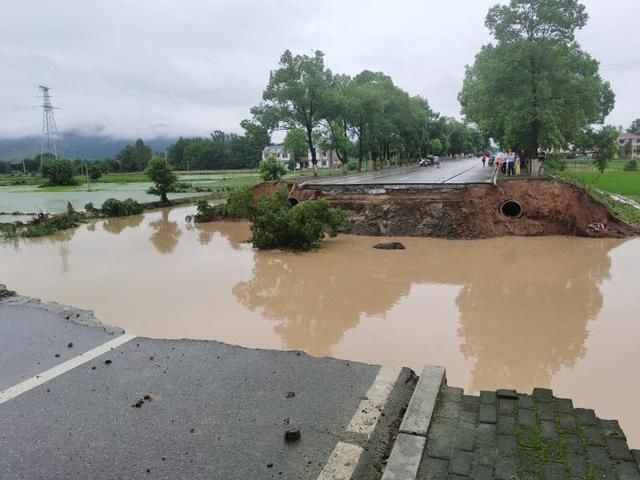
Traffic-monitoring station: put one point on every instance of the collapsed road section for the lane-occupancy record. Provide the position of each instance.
(78, 401)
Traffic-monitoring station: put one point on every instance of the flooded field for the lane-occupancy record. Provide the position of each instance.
(511, 312)
(31, 199)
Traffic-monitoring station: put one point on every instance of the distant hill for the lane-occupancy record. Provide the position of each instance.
(91, 147)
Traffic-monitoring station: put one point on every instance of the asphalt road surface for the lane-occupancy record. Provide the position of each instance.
(466, 170)
(80, 402)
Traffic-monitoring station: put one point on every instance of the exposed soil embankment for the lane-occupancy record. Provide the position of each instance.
(535, 208)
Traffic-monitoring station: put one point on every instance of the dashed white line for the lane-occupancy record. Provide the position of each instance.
(345, 456)
(366, 417)
(64, 367)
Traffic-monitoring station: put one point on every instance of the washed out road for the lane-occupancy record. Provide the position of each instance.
(80, 401)
(465, 170)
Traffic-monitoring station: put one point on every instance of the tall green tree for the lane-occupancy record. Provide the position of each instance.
(161, 174)
(606, 146)
(535, 86)
(134, 158)
(295, 143)
(296, 96)
(635, 127)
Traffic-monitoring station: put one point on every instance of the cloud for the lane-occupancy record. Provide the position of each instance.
(130, 69)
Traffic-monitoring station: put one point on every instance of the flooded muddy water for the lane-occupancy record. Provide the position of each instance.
(552, 312)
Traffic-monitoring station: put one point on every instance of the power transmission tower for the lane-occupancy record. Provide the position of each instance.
(49, 144)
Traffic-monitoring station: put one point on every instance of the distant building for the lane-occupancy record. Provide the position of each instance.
(633, 141)
(325, 159)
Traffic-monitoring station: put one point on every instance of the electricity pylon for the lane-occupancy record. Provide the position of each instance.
(49, 143)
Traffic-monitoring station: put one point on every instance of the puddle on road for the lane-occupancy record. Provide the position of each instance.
(510, 312)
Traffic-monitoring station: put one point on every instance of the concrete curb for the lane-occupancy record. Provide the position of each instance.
(409, 446)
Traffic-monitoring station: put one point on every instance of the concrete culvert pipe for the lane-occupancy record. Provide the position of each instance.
(293, 201)
(511, 209)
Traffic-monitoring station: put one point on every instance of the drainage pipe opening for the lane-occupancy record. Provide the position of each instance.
(511, 209)
(293, 201)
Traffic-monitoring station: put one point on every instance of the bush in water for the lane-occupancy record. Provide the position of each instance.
(240, 203)
(116, 208)
(276, 224)
(59, 171)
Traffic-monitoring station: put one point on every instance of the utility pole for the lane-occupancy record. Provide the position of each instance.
(50, 135)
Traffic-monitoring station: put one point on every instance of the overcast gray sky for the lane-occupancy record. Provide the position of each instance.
(165, 67)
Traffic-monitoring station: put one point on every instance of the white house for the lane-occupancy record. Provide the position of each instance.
(629, 139)
(325, 159)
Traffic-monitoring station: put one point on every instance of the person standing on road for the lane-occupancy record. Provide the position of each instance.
(523, 160)
(484, 159)
(518, 165)
(511, 163)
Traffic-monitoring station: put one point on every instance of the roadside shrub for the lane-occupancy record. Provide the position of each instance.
(115, 208)
(271, 169)
(59, 171)
(631, 166)
(275, 224)
(352, 165)
(240, 203)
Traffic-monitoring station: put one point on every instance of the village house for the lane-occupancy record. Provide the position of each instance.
(629, 145)
(324, 158)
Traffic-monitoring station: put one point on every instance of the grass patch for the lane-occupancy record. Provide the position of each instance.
(623, 183)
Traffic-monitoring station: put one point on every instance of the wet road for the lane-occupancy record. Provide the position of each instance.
(465, 170)
(95, 403)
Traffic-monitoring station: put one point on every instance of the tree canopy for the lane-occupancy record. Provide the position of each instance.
(535, 86)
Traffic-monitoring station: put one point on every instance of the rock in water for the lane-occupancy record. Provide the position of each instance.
(390, 246)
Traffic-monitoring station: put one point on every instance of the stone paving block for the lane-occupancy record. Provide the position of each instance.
(487, 413)
(486, 434)
(460, 463)
(506, 406)
(506, 445)
(563, 405)
(572, 443)
(548, 430)
(526, 418)
(484, 456)
(481, 472)
(440, 438)
(448, 409)
(405, 458)
(487, 398)
(505, 468)
(576, 464)
(453, 476)
(504, 393)
(465, 438)
(506, 425)
(542, 395)
(469, 417)
(611, 428)
(598, 458)
(527, 437)
(593, 436)
(618, 449)
(470, 404)
(587, 417)
(417, 418)
(636, 456)
(567, 422)
(546, 412)
(525, 401)
(433, 469)
(628, 471)
(453, 394)
(554, 471)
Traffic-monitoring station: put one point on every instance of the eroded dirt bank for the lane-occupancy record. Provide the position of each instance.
(542, 207)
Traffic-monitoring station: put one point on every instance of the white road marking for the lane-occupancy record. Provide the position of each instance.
(370, 409)
(64, 367)
(342, 462)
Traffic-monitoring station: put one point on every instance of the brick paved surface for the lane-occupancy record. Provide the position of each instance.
(504, 435)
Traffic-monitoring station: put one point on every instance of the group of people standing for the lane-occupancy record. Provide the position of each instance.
(510, 163)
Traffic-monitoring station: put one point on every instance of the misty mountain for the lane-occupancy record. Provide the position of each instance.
(90, 147)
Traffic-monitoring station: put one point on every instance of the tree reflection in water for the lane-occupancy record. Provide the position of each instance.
(523, 304)
(166, 233)
(116, 225)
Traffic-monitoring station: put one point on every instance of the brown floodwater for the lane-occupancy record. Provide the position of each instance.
(552, 312)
